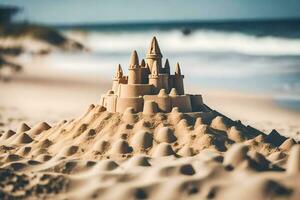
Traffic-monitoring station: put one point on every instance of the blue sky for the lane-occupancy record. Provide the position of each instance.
(102, 11)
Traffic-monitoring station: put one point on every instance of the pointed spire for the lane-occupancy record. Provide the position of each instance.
(134, 60)
(148, 68)
(154, 48)
(155, 69)
(167, 67)
(119, 72)
(177, 70)
(143, 63)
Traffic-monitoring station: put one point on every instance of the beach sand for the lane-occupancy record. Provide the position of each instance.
(74, 150)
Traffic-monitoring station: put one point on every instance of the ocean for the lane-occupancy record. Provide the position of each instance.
(252, 56)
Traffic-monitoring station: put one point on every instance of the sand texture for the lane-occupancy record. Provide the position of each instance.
(102, 155)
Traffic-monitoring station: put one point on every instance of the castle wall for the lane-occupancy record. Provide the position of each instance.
(156, 82)
(159, 82)
(165, 82)
(111, 103)
(134, 90)
(196, 101)
(176, 81)
(136, 103)
(115, 85)
(178, 84)
(171, 82)
(144, 75)
(183, 102)
(117, 82)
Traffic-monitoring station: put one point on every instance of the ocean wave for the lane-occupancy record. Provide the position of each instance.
(198, 41)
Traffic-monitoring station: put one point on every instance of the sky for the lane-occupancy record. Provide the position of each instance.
(107, 11)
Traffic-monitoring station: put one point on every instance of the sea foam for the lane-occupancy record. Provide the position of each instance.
(199, 40)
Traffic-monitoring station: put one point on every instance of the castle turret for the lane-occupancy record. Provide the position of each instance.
(134, 76)
(143, 63)
(155, 78)
(118, 73)
(178, 80)
(155, 70)
(166, 80)
(117, 78)
(177, 69)
(144, 72)
(154, 54)
(167, 67)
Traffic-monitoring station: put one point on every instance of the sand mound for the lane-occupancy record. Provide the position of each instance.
(235, 135)
(23, 138)
(39, 128)
(7, 135)
(142, 140)
(139, 161)
(165, 134)
(186, 151)
(163, 149)
(149, 155)
(102, 134)
(121, 147)
(22, 128)
(101, 146)
(235, 155)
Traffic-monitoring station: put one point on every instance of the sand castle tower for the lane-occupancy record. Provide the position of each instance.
(154, 78)
(167, 67)
(149, 85)
(154, 54)
(118, 78)
(178, 80)
(134, 69)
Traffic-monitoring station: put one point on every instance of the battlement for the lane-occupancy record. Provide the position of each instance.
(149, 87)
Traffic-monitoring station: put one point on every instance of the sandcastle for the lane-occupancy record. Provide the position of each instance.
(149, 87)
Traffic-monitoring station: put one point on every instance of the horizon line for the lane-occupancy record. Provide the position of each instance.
(178, 22)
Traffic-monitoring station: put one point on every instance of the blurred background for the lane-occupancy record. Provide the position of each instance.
(58, 56)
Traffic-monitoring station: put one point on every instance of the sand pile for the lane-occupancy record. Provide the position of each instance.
(202, 155)
(100, 134)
